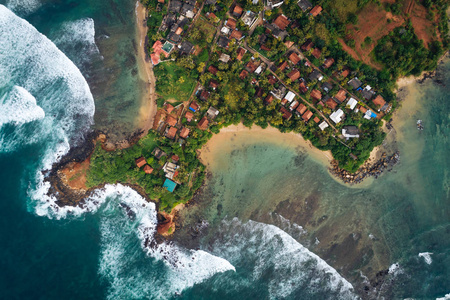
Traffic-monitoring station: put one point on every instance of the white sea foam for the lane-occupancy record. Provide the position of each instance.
(395, 269)
(31, 61)
(427, 257)
(267, 248)
(19, 107)
(446, 297)
(23, 7)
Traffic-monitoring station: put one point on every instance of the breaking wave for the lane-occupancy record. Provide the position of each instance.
(128, 225)
(23, 7)
(296, 271)
(427, 257)
(19, 107)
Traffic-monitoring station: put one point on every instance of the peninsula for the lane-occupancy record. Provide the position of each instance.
(325, 70)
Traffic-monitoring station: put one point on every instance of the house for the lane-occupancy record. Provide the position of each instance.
(231, 23)
(259, 92)
(187, 10)
(225, 30)
(316, 120)
(279, 92)
(140, 161)
(174, 38)
(175, 6)
(286, 114)
(251, 66)
(171, 132)
(194, 106)
(294, 75)
(362, 109)
(175, 158)
(367, 92)
(307, 115)
(316, 53)
(274, 3)
(184, 132)
(169, 185)
(223, 42)
(379, 102)
(237, 11)
(260, 69)
(355, 83)
(283, 66)
(240, 53)
(203, 124)
(294, 58)
(289, 96)
(204, 95)
(327, 87)
(148, 169)
(171, 121)
(337, 116)
(158, 49)
(328, 63)
(179, 31)
(213, 70)
(169, 108)
(225, 58)
(315, 11)
(272, 79)
(302, 87)
(316, 94)
(293, 105)
(289, 44)
(186, 48)
(345, 73)
(158, 153)
(304, 5)
(352, 103)
(213, 84)
(212, 17)
(331, 103)
(315, 75)
(281, 22)
(307, 45)
(269, 99)
(249, 18)
(341, 95)
(350, 132)
(189, 116)
(236, 34)
(243, 74)
(323, 125)
(212, 112)
(301, 109)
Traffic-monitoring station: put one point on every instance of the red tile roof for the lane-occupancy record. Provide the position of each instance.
(157, 51)
(172, 132)
(204, 95)
(148, 169)
(315, 11)
(328, 62)
(301, 108)
(184, 132)
(294, 58)
(189, 115)
(316, 53)
(286, 114)
(379, 101)
(203, 124)
(307, 45)
(316, 119)
(213, 70)
(169, 107)
(307, 115)
(231, 23)
(240, 53)
(282, 22)
(294, 75)
(316, 94)
(331, 103)
(236, 34)
(341, 95)
(283, 66)
(265, 48)
(238, 9)
(243, 74)
(194, 105)
(140, 161)
(171, 121)
(272, 79)
(269, 99)
(345, 73)
(213, 83)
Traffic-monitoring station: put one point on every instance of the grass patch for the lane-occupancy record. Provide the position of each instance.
(174, 82)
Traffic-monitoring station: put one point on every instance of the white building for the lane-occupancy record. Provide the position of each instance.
(337, 116)
(350, 132)
(323, 125)
(289, 96)
(352, 103)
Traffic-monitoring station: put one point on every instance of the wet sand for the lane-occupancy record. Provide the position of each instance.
(231, 136)
(148, 108)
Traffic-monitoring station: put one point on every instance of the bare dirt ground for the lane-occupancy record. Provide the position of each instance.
(74, 175)
(373, 23)
(423, 27)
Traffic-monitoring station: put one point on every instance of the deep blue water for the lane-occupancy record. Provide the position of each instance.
(98, 253)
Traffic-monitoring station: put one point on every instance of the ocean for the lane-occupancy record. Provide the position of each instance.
(271, 223)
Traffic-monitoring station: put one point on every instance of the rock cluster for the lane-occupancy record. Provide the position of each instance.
(367, 170)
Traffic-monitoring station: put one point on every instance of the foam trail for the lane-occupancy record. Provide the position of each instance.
(137, 218)
(23, 7)
(19, 108)
(446, 297)
(29, 60)
(266, 248)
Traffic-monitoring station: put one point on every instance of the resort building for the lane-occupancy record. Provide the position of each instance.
(351, 103)
(337, 116)
(350, 132)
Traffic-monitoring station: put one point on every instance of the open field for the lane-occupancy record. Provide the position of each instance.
(424, 28)
(173, 82)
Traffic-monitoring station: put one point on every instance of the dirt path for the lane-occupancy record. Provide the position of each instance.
(148, 107)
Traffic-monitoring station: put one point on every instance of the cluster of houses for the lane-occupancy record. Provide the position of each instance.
(178, 18)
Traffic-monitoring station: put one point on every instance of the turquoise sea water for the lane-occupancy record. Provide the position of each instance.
(274, 223)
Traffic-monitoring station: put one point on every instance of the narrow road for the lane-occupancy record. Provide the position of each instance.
(269, 64)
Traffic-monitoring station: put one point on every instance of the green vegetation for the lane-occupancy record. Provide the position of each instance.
(174, 81)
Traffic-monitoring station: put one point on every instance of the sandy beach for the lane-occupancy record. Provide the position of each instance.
(148, 108)
(238, 135)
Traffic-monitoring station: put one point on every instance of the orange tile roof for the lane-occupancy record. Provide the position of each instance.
(294, 75)
(243, 74)
(341, 95)
(331, 103)
(189, 115)
(169, 108)
(282, 22)
(294, 58)
(148, 169)
(379, 101)
(184, 132)
(231, 23)
(140, 161)
(316, 119)
(307, 115)
(203, 124)
(316, 53)
(316, 10)
(301, 108)
(316, 94)
(172, 132)
(171, 121)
